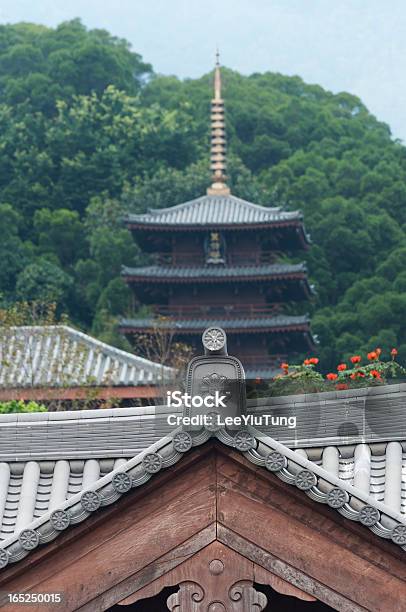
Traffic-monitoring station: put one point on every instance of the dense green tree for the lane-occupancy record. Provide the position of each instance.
(61, 232)
(14, 254)
(88, 132)
(43, 280)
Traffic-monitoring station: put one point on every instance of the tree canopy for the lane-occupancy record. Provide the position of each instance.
(88, 131)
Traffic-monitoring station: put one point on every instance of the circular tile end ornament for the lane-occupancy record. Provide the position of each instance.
(399, 535)
(90, 501)
(121, 482)
(29, 539)
(244, 441)
(152, 463)
(182, 442)
(337, 498)
(275, 462)
(59, 520)
(369, 516)
(214, 339)
(305, 480)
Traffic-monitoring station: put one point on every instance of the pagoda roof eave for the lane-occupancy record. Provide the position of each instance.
(169, 227)
(217, 211)
(179, 274)
(277, 324)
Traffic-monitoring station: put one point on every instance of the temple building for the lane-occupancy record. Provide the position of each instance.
(217, 260)
(119, 510)
(64, 368)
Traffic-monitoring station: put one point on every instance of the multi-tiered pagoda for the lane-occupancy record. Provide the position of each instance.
(217, 262)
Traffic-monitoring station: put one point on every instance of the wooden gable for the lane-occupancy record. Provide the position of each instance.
(217, 524)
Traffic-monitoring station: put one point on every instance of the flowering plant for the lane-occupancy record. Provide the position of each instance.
(305, 379)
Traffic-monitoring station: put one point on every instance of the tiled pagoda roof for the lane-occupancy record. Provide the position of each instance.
(221, 273)
(276, 323)
(214, 211)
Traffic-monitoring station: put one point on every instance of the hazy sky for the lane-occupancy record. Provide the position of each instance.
(353, 45)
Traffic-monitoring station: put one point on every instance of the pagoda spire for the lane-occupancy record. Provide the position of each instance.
(218, 138)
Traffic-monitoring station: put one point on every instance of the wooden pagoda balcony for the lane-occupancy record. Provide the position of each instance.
(261, 362)
(188, 259)
(231, 311)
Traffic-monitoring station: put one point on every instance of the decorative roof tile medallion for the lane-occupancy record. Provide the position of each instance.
(182, 442)
(214, 339)
(305, 480)
(59, 520)
(121, 482)
(90, 501)
(275, 462)
(244, 441)
(369, 516)
(152, 463)
(337, 498)
(29, 539)
(398, 535)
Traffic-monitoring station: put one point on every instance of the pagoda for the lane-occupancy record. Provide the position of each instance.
(216, 261)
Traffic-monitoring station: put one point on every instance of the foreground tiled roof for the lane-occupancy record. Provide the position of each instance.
(65, 493)
(81, 434)
(215, 210)
(204, 273)
(58, 468)
(54, 356)
(277, 323)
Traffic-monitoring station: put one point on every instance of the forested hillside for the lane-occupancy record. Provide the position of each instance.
(87, 131)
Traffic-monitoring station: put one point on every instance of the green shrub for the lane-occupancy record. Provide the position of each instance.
(20, 406)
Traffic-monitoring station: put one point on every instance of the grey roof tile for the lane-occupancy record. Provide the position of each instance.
(214, 210)
(280, 321)
(222, 272)
(76, 359)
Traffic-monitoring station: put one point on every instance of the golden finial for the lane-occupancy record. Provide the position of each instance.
(218, 137)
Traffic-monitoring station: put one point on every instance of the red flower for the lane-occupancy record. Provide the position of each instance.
(341, 386)
(332, 376)
(341, 367)
(375, 374)
(394, 352)
(372, 355)
(355, 359)
(284, 366)
(353, 376)
(311, 361)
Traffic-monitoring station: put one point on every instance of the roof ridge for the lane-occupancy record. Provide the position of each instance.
(206, 197)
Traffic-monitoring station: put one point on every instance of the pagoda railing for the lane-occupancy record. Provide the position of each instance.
(191, 259)
(229, 311)
(260, 361)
